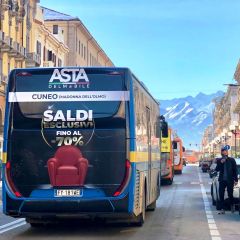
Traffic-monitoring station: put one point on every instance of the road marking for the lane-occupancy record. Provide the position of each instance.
(214, 232)
(195, 183)
(12, 225)
(178, 183)
(215, 235)
(212, 226)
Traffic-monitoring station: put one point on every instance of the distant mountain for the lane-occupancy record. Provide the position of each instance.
(189, 116)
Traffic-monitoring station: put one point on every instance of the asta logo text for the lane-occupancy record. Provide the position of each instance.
(69, 78)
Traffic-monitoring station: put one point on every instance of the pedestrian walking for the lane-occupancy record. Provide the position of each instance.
(228, 177)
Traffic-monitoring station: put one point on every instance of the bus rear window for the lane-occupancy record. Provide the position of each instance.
(98, 94)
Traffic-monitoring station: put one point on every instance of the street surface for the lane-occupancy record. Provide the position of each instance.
(184, 211)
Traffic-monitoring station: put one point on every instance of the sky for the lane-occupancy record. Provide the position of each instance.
(176, 47)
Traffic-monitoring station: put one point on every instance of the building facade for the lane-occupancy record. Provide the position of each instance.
(46, 49)
(83, 48)
(16, 17)
(33, 36)
(225, 128)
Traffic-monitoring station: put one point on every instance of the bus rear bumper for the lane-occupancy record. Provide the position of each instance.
(70, 209)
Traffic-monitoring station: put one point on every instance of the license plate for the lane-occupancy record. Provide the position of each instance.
(68, 193)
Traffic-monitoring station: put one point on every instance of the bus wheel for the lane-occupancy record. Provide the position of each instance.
(152, 206)
(170, 181)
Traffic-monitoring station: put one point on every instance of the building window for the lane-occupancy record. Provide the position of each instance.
(44, 53)
(39, 48)
(55, 29)
(54, 59)
(50, 56)
(59, 62)
(79, 47)
(1, 63)
(84, 52)
(27, 43)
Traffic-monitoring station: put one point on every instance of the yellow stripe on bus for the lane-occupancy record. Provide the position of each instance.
(143, 156)
(4, 157)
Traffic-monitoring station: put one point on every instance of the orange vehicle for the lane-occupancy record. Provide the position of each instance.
(178, 150)
(191, 156)
(167, 164)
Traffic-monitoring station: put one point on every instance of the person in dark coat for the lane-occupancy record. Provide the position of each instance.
(228, 177)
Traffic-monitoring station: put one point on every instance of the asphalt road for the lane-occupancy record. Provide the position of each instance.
(183, 212)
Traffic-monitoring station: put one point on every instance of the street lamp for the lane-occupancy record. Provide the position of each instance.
(234, 132)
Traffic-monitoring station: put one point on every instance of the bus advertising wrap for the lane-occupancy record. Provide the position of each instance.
(68, 131)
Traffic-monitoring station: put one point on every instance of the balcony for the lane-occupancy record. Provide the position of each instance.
(33, 60)
(3, 83)
(5, 6)
(21, 53)
(5, 41)
(48, 64)
(3, 79)
(14, 48)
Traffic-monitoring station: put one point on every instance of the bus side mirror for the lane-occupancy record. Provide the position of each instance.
(161, 128)
(164, 129)
(158, 129)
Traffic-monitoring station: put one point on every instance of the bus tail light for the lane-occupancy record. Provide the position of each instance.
(10, 182)
(24, 74)
(125, 179)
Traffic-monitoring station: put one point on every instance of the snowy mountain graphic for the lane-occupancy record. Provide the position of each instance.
(189, 116)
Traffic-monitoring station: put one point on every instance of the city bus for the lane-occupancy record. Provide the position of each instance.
(80, 142)
(178, 150)
(167, 163)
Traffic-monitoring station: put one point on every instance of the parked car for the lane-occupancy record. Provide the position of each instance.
(215, 188)
(205, 166)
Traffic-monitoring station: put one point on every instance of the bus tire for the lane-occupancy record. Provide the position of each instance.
(170, 181)
(152, 206)
(141, 218)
